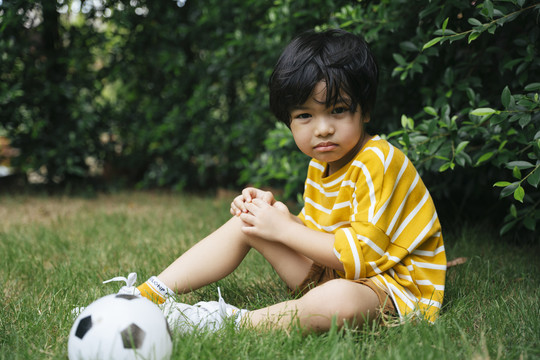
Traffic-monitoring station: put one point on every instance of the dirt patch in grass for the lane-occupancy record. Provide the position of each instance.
(32, 210)
(23, 210)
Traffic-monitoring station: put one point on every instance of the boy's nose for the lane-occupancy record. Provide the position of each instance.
(324, 127)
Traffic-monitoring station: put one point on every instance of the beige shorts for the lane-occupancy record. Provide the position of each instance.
(319, 274)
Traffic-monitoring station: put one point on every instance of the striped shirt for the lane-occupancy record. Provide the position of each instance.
(385, 225)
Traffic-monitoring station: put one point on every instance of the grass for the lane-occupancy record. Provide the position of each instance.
(56, 251)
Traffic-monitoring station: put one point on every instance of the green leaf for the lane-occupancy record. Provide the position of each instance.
(462, 159)
(432, 42)
(410, 123)
(473, 36)
(446, 166)
(532, 87)
(534, 178)
(461, 146)
(445, 23)
(505, 97)
(408, 46)
(474, 22)
(445, 33)
(403, 75)
(407, 122)
(507, 227)
(519, 164)
(484, 158)
(513, 210)
(510, 64)
(399, 59)
(516, 172)
(431, 111)
(470, 94)
(394, 134)
(519, 194)
(524, 120)
(509, 189)
(498, 118)
(484, 111)
(489, 7)
(501, 184)
(404, 121)
(457, 37)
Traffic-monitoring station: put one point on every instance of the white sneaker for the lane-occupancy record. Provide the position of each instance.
(205, 315)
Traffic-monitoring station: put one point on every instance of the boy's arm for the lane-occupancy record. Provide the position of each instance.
(275, 223)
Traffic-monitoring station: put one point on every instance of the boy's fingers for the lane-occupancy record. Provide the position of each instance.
(256, 205)
(235, 211)
(280, 206)
(246, 193)
(238, 204)
(246, 218)
(268, 197)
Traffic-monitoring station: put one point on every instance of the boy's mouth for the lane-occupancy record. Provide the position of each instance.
(325, 146)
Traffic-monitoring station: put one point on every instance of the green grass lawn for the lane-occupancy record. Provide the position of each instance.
(55, 252)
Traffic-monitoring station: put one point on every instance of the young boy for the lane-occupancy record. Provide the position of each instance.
(368, 240)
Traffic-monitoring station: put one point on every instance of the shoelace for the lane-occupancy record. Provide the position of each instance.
(130, 280)
(209, 308)
(222, 305)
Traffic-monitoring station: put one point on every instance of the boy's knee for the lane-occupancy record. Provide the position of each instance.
(347, 300)
(236, 224)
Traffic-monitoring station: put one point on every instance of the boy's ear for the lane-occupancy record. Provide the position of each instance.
(366, 118)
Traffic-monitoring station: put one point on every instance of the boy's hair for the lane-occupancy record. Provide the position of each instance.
(341, 59)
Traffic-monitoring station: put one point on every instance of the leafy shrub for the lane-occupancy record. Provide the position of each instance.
(479, 129)
(176, 97)
(49, 97)
(467, 84)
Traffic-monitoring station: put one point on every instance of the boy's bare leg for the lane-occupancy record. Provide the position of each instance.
(347, 301)
(217, 255)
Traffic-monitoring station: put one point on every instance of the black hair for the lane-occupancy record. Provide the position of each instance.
(340, 59)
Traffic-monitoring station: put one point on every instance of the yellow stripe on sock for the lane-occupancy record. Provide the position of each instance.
(151, 293)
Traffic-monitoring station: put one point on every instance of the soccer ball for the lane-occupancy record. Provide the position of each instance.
(120, 327)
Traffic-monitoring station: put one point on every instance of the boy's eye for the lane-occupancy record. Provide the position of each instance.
(303, 116)
(339, 110)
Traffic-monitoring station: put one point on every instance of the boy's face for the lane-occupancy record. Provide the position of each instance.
(332, 135)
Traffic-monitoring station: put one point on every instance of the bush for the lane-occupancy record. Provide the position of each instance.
(49, 97)
(467, 94)
(176, 97)
(486, 113)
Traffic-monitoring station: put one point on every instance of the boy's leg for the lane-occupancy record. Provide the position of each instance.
(217, 255)
(345, 300)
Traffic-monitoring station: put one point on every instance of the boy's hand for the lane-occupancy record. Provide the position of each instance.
(264, 220)
(238, 206)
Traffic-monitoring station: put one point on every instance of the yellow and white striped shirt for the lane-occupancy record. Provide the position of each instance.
(385, 225)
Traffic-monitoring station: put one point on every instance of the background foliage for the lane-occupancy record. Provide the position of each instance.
(157, 95)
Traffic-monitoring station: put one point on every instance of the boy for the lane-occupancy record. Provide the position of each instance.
(368, 240)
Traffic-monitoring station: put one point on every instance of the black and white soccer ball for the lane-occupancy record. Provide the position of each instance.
(120, 327)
